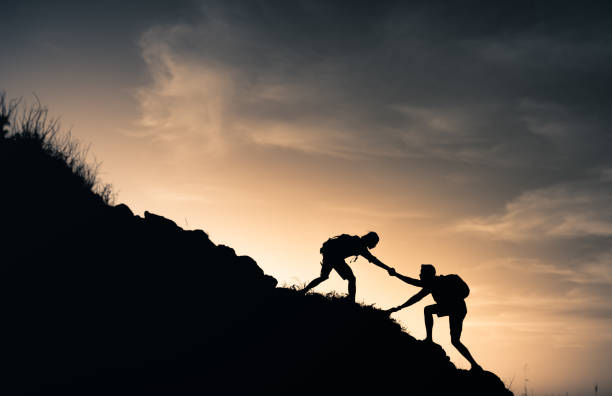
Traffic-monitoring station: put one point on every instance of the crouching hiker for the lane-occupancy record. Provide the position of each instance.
(335, 250)
(449, 293)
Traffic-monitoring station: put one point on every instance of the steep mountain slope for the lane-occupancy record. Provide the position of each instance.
(97, 300)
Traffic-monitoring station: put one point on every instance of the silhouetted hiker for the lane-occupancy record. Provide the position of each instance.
(449, 293)
(338, 248)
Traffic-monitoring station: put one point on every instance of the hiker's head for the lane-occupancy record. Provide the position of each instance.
(427, 272)
(370, 239)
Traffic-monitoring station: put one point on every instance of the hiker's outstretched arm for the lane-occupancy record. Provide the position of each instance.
(414, 299)
(409, 280)
(370, 257)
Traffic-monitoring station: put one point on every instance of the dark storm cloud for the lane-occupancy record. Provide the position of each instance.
(502, 85)
(79, 42)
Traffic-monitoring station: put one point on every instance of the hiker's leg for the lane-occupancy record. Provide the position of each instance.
(429, 311)
(456, 327)
(352, 287)
(346, 273)
(325, 271)
(314, 283)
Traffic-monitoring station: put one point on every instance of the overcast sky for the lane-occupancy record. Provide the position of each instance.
(474, 136)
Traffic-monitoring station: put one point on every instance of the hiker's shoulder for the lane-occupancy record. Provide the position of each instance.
(349, 238)
(437, 281)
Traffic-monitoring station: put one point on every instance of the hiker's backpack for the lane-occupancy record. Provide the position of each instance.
(453, 287)
(344, 245)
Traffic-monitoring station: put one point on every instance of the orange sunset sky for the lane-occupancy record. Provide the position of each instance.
(475, 138)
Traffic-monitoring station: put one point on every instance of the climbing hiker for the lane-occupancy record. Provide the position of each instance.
(335, 250)
(449, 293)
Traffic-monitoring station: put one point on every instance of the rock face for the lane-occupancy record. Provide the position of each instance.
(97, 300)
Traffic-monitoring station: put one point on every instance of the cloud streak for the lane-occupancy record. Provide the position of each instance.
(568, 210)
(264, 75)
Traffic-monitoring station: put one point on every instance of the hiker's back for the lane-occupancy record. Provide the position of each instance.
(342, 246)
(450, 288)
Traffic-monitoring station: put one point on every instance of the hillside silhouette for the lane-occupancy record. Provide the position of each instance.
(99, 301)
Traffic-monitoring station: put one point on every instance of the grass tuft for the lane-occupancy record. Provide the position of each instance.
(29, 129)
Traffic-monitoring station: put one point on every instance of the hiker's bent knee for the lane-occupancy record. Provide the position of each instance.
(324, 277)
(455, 340)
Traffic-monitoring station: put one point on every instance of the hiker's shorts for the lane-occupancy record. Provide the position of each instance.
(338, 264)
(457, 310)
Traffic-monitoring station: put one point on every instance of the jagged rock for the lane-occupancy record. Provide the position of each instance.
(489, 383)
(123, 210)
(199, 238)
(197, 233)
(226, 252)
(247, 265)
(160, 222)
(270, 281)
